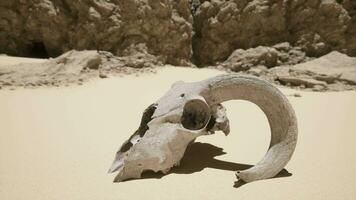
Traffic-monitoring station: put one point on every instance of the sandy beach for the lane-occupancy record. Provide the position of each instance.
(58, 143)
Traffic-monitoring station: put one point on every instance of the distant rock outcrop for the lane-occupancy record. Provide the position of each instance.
(334, 71)
(73, 67)
(43, 28)
(205, 32)
(279, 54)
(317, 26)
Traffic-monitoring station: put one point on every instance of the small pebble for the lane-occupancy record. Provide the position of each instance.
(297, 95)
(103, 76)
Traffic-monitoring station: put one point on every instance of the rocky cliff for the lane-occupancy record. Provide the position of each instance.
(52, 27)
(317, 26)
(176, 32)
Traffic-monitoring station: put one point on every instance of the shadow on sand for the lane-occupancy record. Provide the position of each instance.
(199, 156)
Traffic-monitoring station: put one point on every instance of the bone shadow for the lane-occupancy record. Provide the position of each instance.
(199, 156)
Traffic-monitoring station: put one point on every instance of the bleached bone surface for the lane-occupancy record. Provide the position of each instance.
(189, 110)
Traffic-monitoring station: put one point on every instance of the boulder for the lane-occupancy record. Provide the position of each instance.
(279, 54)
(334, 71)
(334, 65)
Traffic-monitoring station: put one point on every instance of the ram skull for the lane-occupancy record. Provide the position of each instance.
(189, 110)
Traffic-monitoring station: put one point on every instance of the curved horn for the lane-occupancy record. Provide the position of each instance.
(275, 105)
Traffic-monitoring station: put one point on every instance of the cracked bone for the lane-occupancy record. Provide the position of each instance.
(189, 110)
(219, 121)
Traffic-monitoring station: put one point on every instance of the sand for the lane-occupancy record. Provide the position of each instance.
(58, 143)
(11, 60)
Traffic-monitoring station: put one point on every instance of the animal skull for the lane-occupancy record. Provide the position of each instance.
(189, 110)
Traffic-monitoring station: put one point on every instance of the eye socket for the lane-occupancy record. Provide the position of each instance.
(196, 115)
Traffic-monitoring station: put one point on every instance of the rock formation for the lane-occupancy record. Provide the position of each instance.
(350, 6)
(317, 26)
(165, 28)
(280, 54)
(334, 71)
(43, 28)
(73, 67)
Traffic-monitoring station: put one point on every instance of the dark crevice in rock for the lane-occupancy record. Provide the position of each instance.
(194, 5)
(36, 50)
